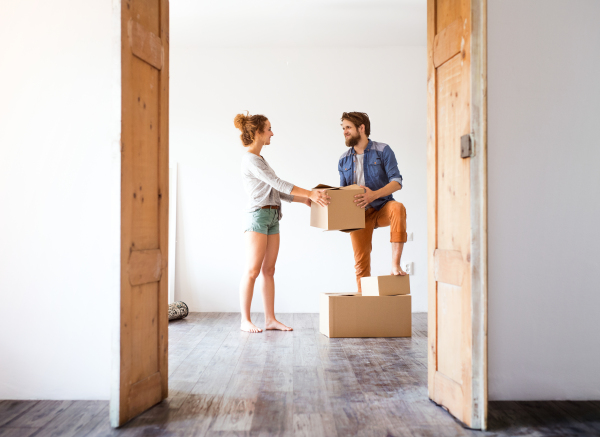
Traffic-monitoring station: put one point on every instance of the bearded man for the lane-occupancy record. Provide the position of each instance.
(373, 166)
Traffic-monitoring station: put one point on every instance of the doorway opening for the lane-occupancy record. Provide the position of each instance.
(302, 83)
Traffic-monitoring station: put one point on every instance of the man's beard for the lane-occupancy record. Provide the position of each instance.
(352, 141)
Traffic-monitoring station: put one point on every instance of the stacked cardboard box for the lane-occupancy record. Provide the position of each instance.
(382, 310)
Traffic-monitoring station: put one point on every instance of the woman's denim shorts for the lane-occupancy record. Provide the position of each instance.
(264, 221)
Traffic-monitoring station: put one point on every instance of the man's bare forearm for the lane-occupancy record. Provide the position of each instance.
(390, 188)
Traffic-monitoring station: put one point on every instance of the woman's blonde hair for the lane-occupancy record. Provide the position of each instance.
(249, 125)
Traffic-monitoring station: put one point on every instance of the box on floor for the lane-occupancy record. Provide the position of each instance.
(352, 315)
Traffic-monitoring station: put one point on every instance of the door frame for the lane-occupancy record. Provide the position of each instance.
(478, 208)
(479, 262)
(148, 266)
(115, 375)
(478, 181)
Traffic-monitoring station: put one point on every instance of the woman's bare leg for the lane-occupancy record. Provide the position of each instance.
(256, 247)
(268, 273)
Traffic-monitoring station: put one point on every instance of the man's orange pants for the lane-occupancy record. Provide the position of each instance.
(393, 214)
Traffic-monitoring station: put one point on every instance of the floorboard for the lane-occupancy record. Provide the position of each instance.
(224, 382)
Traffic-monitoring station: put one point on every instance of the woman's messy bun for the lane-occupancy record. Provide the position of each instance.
(249, 125)
(239, 121)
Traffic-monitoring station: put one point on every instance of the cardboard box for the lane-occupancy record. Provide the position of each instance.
(353, 315)
(341, 214)
(390, 285)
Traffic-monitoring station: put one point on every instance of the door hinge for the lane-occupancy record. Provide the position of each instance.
(467, 146)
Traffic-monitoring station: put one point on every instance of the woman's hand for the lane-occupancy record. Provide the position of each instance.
(320, 197)
(306, 201)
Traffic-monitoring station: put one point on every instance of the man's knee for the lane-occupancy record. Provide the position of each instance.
(397, 214)
(397, 209)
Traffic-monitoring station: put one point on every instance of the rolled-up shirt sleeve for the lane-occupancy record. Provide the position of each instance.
(391, 165)
(262, 171)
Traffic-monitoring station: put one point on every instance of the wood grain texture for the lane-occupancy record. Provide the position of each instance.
(74, 421)
(450, 204)
(449, 267)
(432, 204)
(9, 410)
(18, 432)
(479, 210)
(466, 350)
(145, 266)
(449, 394)
(447, 12)
(40, 414)
(447, 43)
(163, 196)
(143, 348)
(451, 336)
(144, 391)
(299, 383)
(145, 45)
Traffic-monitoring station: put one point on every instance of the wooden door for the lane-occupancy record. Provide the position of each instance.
(142, 353)
(456, 153)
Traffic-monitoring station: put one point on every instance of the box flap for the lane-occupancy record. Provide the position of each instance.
(352, 187)
(350, 293)
(349, 187)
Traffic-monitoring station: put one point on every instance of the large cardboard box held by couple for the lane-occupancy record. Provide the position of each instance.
(341, 214)
(354, 315)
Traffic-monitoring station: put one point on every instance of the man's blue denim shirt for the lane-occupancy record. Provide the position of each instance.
(380, 166)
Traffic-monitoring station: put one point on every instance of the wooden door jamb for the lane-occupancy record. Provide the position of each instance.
(115, 187)
(478, 179)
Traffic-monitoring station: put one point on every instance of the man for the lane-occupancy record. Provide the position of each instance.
(373, 166)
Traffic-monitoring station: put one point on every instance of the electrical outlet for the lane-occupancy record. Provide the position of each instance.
(409, 268)
(409, 236)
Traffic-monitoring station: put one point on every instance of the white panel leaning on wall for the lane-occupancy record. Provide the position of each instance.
(172, 228)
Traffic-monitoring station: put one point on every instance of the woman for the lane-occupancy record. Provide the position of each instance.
(262, 228)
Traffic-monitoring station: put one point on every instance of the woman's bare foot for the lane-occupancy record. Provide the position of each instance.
(249, 327)
(277, 325)
(397, 271)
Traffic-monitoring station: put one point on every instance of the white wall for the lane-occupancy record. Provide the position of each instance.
(58, 239)
(303, 91)
(306, 23)
(544, 199)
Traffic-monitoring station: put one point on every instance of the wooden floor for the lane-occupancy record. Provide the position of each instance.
(224, 382)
